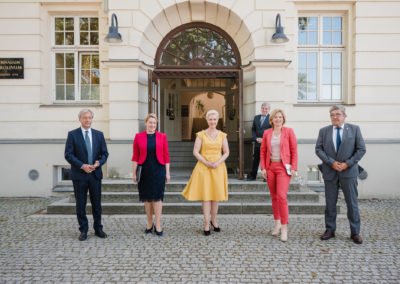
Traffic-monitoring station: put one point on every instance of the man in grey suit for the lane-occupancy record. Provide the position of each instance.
(260, 124)
(340, 146)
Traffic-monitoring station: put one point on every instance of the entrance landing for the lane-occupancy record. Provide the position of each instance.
(121, 197)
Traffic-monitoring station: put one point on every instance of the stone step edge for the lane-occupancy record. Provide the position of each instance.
(64, 202)
(174, 193)
(230, 181)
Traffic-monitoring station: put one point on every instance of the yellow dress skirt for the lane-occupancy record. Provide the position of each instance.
(205, 183)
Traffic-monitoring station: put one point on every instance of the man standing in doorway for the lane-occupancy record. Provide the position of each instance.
(260, 124)
(340, 146)
(86, 151)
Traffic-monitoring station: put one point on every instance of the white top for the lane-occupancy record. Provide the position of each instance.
(89, 133)
(275, 147)
(334, 134)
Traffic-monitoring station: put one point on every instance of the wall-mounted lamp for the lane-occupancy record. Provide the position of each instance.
(279, 36)
(113, 35)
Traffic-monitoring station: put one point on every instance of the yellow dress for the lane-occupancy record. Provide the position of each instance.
(206, 183)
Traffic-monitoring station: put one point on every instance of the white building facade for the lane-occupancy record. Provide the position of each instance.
(180, 58)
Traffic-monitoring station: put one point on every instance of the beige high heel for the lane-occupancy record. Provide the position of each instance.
(275, 233)
(284, 235)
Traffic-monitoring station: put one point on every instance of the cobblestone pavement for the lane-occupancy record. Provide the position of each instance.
(44, 249)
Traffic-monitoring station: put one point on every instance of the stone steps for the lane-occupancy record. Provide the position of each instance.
(234, 197)
(179, 186)
(65, 207)
(121, 197)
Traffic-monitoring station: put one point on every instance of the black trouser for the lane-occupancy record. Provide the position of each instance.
(256, 160)
(81, 188)
(349, 188)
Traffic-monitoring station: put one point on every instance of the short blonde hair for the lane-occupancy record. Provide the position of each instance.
(273, 113)
(210, 112)
(150, 115)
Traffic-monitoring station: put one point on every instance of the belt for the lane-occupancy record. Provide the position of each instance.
(276, 160)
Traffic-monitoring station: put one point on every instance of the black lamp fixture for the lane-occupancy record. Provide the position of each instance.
(279, 36)
(113, 35)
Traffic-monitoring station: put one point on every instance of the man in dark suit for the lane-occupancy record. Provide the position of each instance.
(260, 124)
(340, 146)
(86, 151)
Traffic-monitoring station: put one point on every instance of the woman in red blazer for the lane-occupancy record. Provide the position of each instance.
(150, 154)
(278, 155)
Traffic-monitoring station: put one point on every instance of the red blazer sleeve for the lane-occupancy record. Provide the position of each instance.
(293, 149)
(166, 153)
(263, 151)
(135, 156)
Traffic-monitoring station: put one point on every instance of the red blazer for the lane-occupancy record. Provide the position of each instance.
(288, 148)
(140, 148)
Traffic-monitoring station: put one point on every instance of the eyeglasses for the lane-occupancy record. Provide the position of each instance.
(336, 115)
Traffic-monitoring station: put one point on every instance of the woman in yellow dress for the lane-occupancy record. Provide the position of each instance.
(209, 180)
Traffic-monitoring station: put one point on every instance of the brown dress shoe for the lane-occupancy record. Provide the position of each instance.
(327, 235)
(356, 239)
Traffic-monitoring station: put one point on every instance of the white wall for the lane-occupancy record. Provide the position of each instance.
(19, 159)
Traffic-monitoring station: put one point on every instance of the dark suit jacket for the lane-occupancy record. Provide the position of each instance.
(76, 153)
(352, 149)
(257, 129)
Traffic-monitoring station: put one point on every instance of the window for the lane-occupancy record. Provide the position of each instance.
(76, 59)
(198, 45)
(320, 58)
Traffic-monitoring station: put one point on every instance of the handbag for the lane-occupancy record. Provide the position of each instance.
(138, 173)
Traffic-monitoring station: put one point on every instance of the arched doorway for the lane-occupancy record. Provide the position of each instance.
(192, 60)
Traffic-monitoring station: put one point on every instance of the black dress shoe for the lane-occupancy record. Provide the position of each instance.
(83, 236)
(101, 234)
(327, 235)
(207, 233)
(216, 229)
(251, 178)
(356, 239)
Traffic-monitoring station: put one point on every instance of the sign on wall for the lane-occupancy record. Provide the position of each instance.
(11, 68)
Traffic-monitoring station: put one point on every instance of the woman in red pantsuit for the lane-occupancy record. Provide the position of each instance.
(278, 155)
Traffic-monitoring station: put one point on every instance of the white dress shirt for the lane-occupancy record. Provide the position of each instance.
(334, 134)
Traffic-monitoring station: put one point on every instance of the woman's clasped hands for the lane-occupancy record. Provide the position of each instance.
(212, 165)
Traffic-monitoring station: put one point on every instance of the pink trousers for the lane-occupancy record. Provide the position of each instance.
(278, 183)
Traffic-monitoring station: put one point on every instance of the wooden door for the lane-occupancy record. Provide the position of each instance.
(154, 95)
(240, 125)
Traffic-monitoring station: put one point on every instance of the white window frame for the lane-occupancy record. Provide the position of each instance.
(77, 49)
(58, 175)
(80, 69)
(319, 49)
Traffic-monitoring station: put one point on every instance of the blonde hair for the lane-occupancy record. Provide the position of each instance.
(210, 112)
(273, 113)
(150, 115)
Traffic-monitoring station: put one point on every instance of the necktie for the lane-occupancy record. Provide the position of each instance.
(262, 119)
(338, 138)
(88, 148)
